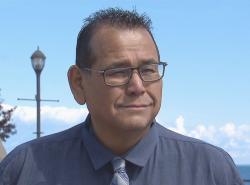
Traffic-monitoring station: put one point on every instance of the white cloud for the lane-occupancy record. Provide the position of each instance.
(240, 133)
(27, 114)
(179, 125)
(203, 132)
(64, 114)
(229, 129)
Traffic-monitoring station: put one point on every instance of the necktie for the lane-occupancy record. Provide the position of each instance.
(120, 176)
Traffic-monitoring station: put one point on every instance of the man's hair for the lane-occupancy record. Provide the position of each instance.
(114, 17)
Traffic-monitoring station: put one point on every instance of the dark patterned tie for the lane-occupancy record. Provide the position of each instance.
(120, 176)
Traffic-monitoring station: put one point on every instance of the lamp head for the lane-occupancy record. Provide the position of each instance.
(38, 60)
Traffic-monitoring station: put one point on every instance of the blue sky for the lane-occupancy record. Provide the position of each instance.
(206, 86)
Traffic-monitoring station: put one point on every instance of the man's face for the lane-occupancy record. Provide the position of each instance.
(130, 107)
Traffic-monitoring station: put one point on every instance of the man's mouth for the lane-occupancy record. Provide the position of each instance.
(134, 106)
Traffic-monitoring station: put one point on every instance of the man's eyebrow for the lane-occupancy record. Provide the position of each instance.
(125, 63)
(149, 61)
(118, 64)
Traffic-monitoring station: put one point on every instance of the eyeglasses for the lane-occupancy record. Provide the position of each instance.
(121, 76)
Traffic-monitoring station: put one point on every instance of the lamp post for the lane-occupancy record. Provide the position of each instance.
(38, 61)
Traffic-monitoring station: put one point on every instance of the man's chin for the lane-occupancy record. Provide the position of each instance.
(134, 123)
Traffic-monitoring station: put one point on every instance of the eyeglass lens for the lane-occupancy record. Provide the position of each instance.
(121, 76)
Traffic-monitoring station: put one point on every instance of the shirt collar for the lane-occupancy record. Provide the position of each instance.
(142, 151)
(100, 155)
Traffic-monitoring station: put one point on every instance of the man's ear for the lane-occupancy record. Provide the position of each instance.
(76, 84)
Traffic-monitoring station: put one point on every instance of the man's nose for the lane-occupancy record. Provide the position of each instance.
(135, 85)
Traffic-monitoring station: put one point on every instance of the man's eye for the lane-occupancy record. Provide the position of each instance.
(149, 70)
(117, 73)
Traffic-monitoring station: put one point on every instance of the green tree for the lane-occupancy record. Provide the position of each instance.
(7, 128)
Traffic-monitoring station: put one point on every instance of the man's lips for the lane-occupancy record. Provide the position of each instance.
(128, 106)
(134, 106)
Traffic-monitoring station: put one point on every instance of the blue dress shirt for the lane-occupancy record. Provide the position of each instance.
(76, 157)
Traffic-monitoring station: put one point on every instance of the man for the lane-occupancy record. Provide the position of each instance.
(118, 74)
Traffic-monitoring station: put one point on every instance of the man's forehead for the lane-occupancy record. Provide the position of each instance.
(106, 29)
(120, 47)
(106, 36)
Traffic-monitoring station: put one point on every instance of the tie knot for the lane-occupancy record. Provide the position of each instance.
(120, 176)
(118, 164)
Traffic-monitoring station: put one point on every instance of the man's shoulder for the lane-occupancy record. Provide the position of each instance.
(69, 134)
(191, 146)
(34, 156)
(50, 143)
(168, 134)
(196, 155)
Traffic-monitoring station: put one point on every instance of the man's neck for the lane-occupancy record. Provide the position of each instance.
(118, 141)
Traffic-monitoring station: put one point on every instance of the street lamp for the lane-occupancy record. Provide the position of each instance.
(38, 61)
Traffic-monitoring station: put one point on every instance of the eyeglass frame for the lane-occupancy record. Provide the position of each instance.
(130, 76)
